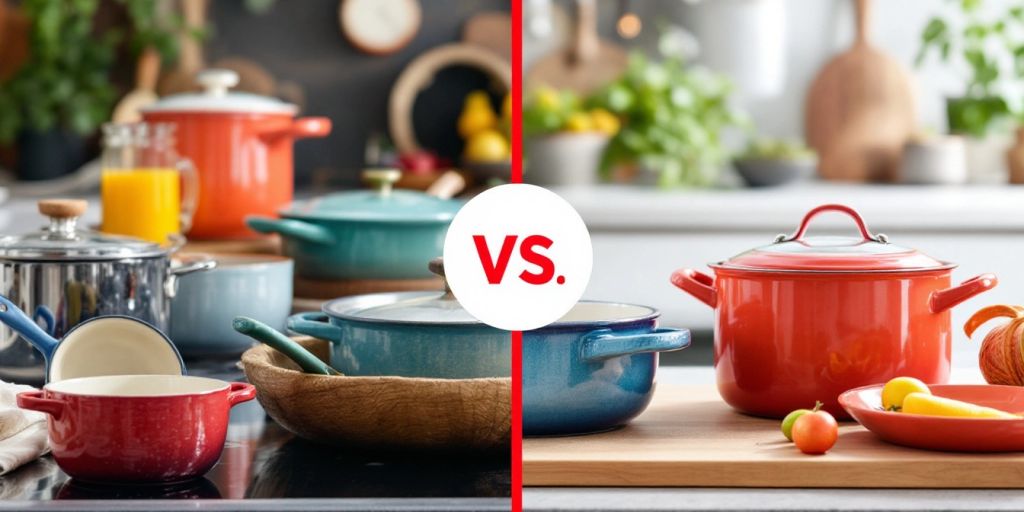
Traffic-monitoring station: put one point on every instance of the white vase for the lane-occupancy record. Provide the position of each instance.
(986, 158)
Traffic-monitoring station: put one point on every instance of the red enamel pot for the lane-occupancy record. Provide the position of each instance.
(241, 145)
(806, 318)
(137, 428)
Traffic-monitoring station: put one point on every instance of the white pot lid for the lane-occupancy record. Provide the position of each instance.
(217, 98)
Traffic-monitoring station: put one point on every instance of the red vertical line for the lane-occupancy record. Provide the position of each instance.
(517, 177)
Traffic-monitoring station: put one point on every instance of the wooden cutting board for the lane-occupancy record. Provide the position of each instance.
(860, 111)
(688, 437)
(587, 64)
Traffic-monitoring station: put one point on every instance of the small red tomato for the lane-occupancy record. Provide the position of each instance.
(815, 432)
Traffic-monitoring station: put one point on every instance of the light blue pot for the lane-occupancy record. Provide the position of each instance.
(408, 334)
(594, 370)
(382, 234)
(257, 286)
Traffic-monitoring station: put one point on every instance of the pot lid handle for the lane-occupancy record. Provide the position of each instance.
(436, 266)
(841, 208)
(216, 82)
(382, 179)
(63, 214)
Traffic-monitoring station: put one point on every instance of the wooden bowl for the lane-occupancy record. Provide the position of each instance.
(381, 413)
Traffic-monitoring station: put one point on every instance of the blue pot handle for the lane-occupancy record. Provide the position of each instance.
(315, 324)
(17, 319)
(606, 343)
(43, 313)
(292, 228)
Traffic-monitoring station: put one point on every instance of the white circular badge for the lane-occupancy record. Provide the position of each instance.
(517, 257)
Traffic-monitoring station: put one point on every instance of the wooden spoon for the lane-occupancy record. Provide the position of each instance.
(190, 56)
(860, 111)
(262, 332)
(587, 64)
(146, 74)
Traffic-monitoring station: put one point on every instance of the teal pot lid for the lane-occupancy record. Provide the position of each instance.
(383, 204)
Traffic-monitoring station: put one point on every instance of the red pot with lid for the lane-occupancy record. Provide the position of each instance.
(241, 145)
(808, 317)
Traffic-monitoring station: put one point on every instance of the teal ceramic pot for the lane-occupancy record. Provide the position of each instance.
(257, 286)
(369, 234)
(407, 334)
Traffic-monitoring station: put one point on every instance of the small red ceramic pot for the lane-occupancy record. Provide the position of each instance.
(807, 318)
(137, 428)
(241, 146)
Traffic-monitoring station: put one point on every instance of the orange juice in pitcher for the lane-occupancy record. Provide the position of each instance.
(142, 183)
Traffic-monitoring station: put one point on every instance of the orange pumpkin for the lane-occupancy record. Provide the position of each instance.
(1002, 352)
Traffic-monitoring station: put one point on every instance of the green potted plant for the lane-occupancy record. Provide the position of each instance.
(991, 48)
(63, 92)
(674, 116)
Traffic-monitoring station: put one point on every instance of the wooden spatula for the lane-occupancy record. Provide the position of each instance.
(588, 62)
(146, 74)
(860, 111)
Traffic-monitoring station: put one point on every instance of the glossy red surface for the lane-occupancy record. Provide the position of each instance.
(784, 340)
(244, 162)
(137, 439)
(945, 434)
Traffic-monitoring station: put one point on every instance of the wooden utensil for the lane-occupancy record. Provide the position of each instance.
(490, 30)
(146, 74)
(14, 40)
(587, 64)
(190, 56)
(689, 437)
(447, 186)
(860, 111)
(262, 332)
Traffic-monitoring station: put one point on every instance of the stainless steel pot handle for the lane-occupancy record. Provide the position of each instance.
(200, 263)
(436, 266)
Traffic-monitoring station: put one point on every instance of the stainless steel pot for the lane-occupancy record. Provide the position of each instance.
(64, 275)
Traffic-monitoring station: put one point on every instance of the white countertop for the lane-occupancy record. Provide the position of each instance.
(996, 208)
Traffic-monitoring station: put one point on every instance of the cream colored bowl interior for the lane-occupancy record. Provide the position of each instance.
(604, 312)
(137, 385)
(113, 346)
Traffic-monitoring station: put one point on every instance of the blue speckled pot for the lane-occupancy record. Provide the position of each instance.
(408, 334)
(594, 369)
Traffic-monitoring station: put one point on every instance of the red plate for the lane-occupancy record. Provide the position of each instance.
(941, 433)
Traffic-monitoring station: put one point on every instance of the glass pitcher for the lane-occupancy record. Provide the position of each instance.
(147, 190)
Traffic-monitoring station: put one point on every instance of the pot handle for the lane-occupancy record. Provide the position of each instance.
(34, 401)
(606, 343)
(292, 228)
(945, 299)
(315, 324)
(698, 284)
(841, 208)
(301, 128)
(241, 392)
(268, 335)
(43, 313)
(17, 320)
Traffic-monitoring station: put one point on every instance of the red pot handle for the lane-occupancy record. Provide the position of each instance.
(301, 128)
(942, 300)
(698, 284)
(241, 392)
(34, 401)
(841, 208)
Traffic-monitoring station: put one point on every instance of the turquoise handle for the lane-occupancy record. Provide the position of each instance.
(17, 320)
(292, 228)
(264, 333)
(315, 324)
(606, 343)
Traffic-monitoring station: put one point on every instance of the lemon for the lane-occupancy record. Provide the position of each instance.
(487, 146)
(476, 119)
(578, 122)
(604, 121)
(547, 99)
(897, 389)
(477, 99)
(506, 107)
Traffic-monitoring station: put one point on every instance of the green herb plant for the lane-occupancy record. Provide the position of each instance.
(981, 40)
(674, 117)
(65, 81)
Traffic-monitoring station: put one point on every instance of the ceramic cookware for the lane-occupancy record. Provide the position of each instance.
(593, 369)
(256, 285)
(944, 433)
(106, 345)
(65, 275)
(371, 234)
(806, 318)
(408, 334)
(137, 428)
(241, 144)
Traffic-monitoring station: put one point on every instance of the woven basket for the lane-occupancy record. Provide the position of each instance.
(380, 413)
